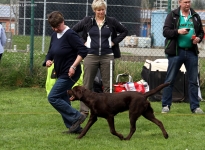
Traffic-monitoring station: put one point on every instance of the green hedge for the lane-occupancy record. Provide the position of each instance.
(15, 70)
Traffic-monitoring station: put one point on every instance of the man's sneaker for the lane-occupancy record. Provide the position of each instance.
(198, 111)
(76, 125)
(165, 109)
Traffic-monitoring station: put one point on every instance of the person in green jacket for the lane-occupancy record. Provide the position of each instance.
(183, 31)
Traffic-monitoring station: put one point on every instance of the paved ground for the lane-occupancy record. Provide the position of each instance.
(142, 52)
(151, 52)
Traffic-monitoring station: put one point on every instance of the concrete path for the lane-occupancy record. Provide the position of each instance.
(150, 51)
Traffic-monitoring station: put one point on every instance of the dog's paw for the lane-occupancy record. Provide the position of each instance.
(121, 137)
(79, 137)
(126, 138)
(166, 136)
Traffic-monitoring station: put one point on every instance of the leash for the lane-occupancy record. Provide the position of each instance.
(74, 82)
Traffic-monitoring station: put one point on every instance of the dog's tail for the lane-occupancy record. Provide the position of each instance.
(155, 90)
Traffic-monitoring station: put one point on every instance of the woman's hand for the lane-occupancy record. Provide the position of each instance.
(71, 71)
(85, 43)
(49, 63)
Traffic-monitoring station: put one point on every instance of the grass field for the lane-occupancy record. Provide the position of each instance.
(28, 122)
(22, 41)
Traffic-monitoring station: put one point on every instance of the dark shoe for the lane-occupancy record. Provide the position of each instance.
(76, 125)
(74, 132)
(85, 113)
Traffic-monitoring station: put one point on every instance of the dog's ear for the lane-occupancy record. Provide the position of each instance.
(70, 92)
(78, 91)
(72, 96)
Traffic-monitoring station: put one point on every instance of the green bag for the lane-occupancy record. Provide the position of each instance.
(51, 78)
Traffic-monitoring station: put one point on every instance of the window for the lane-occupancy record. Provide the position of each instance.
(4, 25)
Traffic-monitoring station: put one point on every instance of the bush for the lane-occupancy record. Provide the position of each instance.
(15, 70)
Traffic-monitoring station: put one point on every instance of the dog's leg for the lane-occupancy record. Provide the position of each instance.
(91, 121)
(150, 116)
(110, 120)
(133, 118)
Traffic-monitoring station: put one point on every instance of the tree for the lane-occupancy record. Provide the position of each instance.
(14, 9)
(198, 4)
(146, 10)
(5, 2)
(147, 4)
(151, 4)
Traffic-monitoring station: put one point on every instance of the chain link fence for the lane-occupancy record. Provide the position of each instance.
(145, 25)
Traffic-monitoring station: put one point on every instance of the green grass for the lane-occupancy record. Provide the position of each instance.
(21, 42)
(29, 122)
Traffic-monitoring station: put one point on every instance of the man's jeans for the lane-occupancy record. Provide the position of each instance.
(190, 60)
(59, 99)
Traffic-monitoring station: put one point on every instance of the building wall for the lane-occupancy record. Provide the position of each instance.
(7, 26)
(157, 23)
(163, 4)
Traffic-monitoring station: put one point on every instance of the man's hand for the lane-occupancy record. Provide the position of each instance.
(183, 31)
(196, 40)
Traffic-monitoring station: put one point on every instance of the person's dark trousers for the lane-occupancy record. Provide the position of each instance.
(91, 65)
(1, 56)
(190, 60)
(59, 99)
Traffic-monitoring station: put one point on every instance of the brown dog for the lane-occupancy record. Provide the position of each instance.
(107, 105)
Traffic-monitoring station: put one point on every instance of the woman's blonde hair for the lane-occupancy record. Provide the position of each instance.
(98, 3)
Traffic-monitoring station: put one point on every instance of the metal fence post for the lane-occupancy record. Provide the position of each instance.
(32, 37)
(44, 27)
(169, 6)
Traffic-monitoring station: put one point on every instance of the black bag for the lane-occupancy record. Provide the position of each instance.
(53, 74)
(155, 78)
(97, 85)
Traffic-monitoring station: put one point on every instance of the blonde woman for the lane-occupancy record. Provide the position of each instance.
(101, 35)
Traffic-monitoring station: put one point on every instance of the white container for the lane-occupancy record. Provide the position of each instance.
(133, 41)
(144, 42)
(130, 41)
(127, 41)
(122, 43)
